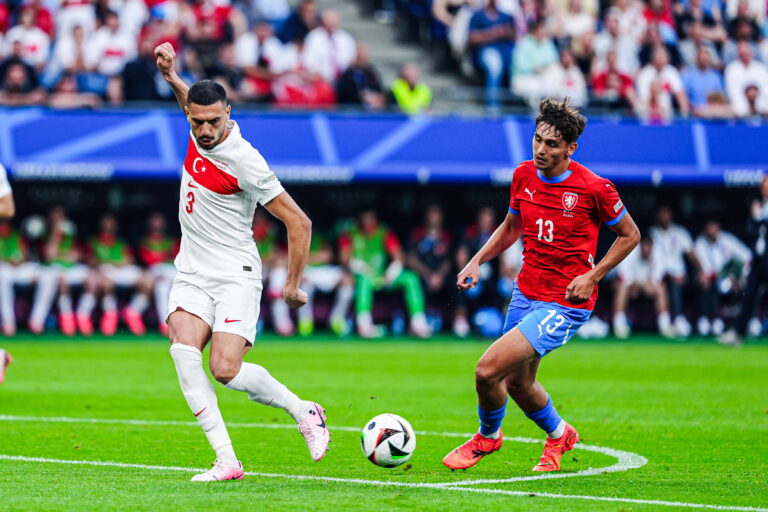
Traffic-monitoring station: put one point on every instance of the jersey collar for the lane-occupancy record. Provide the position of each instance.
(557, 179)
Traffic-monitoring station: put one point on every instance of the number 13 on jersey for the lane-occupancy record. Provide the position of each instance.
(546, 229)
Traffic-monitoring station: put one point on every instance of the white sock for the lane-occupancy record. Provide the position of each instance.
(109, 302)
(201, 399)
(45, 293)
(86, 304)
(139, 303)
(266, 390)
(343, 299)
(65, 304)
(7, 296)
(558, 432)
(495, 435)
(664, 321)
(364, 320)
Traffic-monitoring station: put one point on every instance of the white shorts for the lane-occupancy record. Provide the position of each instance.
(74, 275)
(161, 271)
(226, 304)
(123, 275)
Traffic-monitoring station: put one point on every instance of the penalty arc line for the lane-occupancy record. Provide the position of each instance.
(380, 483)
(624, 460)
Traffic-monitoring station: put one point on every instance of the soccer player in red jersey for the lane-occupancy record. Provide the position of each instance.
(557, 205)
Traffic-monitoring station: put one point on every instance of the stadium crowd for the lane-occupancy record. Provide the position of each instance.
(86, 53)
(367, 273)
(653, 58)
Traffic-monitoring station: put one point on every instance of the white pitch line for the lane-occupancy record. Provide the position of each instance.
(381, 483)
(624, 460)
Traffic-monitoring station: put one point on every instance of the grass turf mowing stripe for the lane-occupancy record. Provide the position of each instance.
(624, 460)
(662, 503)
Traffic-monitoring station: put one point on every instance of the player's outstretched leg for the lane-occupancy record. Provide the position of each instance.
(229, 369)
(531, 397)
(506, 355)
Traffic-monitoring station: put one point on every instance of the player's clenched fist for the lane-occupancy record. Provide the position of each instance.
(468, 277)
(295, 298)
(165, 55)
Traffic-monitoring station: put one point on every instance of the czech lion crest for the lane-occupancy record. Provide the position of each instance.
(569, 200)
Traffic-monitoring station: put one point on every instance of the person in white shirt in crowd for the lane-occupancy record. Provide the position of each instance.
(625, 46)
(743, 73)
(754, 8)
(632, 22)
(689, 47)
(133, 14)
(574, 21)
(663, 79)
(260, 55)
(570, 82)
(328, 49)
(641, 275)
(273, 11)
(673, 242)
(35, 43)
(71, 54)
(112, 47)
(76, 12)
(724, 259)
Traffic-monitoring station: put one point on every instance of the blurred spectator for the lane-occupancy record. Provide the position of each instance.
(745, 32)
(328, 49)
(63, 254)
(374, 255)
(641, 274)
(625, 47)
(112, 48)
(218, 17)
(491, 38)
(133, 14)
(673, 241)
(410, 94)
(724, 259)
(5, 17)
(742, 74)
(702, 80)
(689, 47)
(35, 44)
(66, 95)
(429, 254)
(157, 252)
(659, 13)
(632, 22)
(652, 41)
(569, 81)
(657, 83)
(533, 63)
(745, 18)
(139, 76)
(575, 21)
(18, 81)
(707, 19)
(297, 87)
(76, 12)
(757, 235)
(17, 269)
(274, 261)
(71, 54)
(300, 22)
(258, 54)
(613, 87)
(42, 16)
(360, 83)
(274, 12)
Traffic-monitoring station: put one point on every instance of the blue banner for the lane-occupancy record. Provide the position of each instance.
(39, 144)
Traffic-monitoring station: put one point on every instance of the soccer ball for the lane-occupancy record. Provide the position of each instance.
(388, 440)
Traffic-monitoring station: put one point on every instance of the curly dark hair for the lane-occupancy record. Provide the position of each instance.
(568, 121)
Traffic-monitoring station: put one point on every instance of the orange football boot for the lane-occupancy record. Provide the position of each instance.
(555, 448)
(470, 453)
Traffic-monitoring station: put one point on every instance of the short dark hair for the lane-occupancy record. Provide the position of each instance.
(206, 92)
(568, 121)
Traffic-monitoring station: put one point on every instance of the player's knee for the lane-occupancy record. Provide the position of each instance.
(224, 370)
(485, 376)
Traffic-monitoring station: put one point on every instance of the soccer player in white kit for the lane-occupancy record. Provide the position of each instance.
(217, 290)
(7, 210)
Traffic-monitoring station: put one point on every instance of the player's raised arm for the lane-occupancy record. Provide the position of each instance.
(504, 236)
(299, 236)
(165, 63)
(581, 288)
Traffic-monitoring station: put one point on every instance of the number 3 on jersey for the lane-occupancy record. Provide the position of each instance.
(546, 230)
(191, 202)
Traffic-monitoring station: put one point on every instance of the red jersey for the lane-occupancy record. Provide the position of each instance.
(561, 220)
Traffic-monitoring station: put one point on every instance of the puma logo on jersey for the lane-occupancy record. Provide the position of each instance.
(530, 193)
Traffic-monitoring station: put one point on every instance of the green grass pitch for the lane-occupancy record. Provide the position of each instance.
(696, 411)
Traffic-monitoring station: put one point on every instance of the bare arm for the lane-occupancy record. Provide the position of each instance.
(299, 236)
(580, 289)
(7, 206)
(504, 236)
(165, 56)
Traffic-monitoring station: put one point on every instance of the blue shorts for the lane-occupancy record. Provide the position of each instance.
(546, 325)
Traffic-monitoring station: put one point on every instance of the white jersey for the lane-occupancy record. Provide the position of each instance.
(220, 190)
(672, 244)
(5, 187)
(634, 269)
(713, 256)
